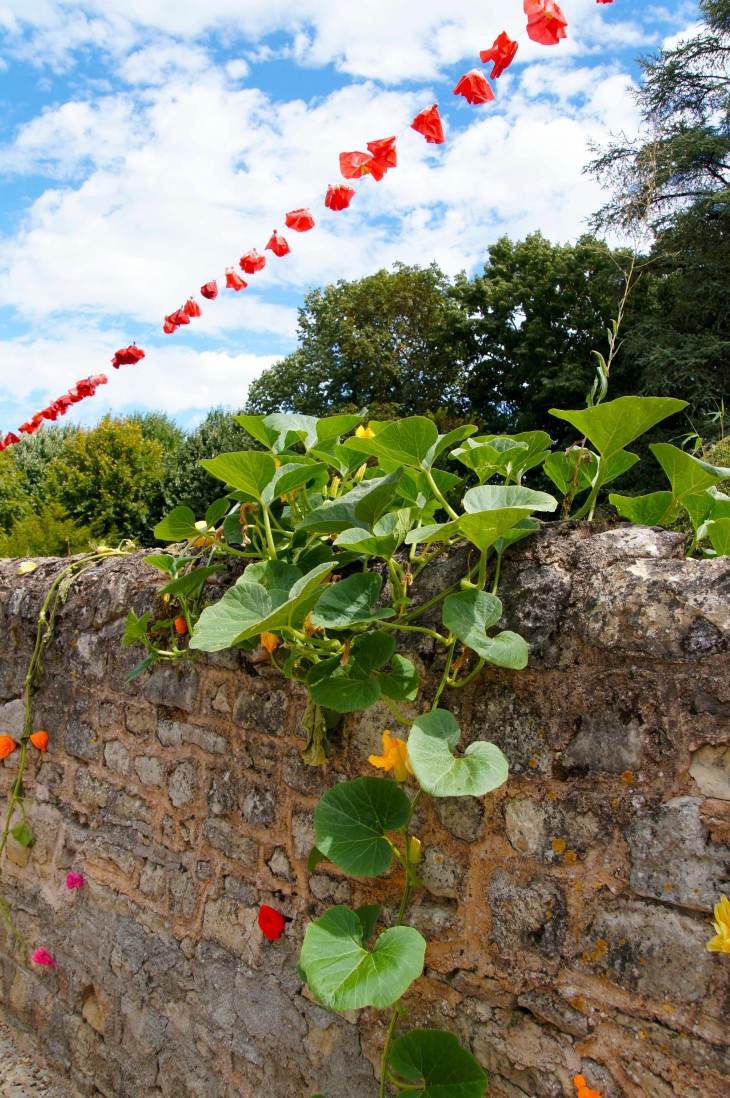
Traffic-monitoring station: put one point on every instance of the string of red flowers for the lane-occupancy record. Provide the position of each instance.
(58, 407)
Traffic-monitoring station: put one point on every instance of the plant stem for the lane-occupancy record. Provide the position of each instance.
(454, 685)
(495, 585)
(386, 1051)
(449, 510)
(269, 536)
(482, 578)
(391, 705)
(445, 676)
(414, 629)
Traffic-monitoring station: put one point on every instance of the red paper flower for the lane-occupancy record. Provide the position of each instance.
(502, 53)
(339, 196)
(604, 1)
(545, 22)
(277, 244)
(127, 356)
(74, 880)
(428, 123)
(51, 412)
(299, 220)
(85, 387)
(181, 626)
(271, 922)
(43, 957)
(383, 152)
(474, 87)
(234, 281)
(353, 164)
(175, 320)
(40, 740)
(32, 425)
(252, 262)
(191, 307)
(210, 290)
(99, 379)
(10, 439)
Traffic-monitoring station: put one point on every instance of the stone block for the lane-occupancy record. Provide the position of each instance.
(224, 793)
(81, 741)
(116, 757)
(182, 784)
(153, 881)
(140, 722)
(176, 687)
(151, 771)
(259, 808)
(605, 744)
(548, 829)
(279, 864)
(173, 733)
(529, 918)
(441, 874)
(303, 836)
(710, 768)
(12, 718)
(462, 816)
(223, 837)
(108, 714)
(261, 711)
(89, 791)
(230, 924)
(673, 859)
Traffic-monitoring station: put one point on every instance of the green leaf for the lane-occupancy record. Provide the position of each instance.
(687, 474)
(23, 835)
(719, 532)
(163, 562)
(487, 527)
(135, 628)
(317, 749)
(444, 441)
(439, 531)
(331, 427)
(336, 687)
(482, 768)
(352, 819)
(375, 503)
(274, 575)
(349, 602)
(613, 425)
(494, 497)
(343, 975)
(248, 471)
(407, 441)
(139, 669)
(179, 525)
(368, 915)
(216, 511)
(403, 681)
(435, 1057)
(488, 458)
(700, 508)
(370, 651)
(338, 515)
(190, 584)
(520, 530)
(256, 428)
(315, 857)
(468, 615)
(292, 428)
(291, 477)
(248, 609)
(655, 509)
(388, 533)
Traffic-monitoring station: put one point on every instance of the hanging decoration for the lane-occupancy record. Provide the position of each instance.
(277, 244)
(428, 123)
(174, 321)
(191, 308)
(353, 165)
(251, 262)
(82, 389)
(234, 281)
(383, 157)
(127, 356)
(209, 291)
(474, 87)
(545, 22)
(338, 197)
(502, 54)
(301, 221)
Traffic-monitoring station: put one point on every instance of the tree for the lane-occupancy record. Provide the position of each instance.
(392, 341)
(186, 481)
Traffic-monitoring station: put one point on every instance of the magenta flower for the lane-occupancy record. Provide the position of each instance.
(74, 880)
(43, 957)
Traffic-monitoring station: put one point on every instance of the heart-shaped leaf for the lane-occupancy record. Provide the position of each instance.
(179, 525)
(719, 532)
(656, 509)
(256, 428)
(439, 531)
(468, 614)
(435, 1058)
(344, 689)
(337, 515)
(487, 459)
(23, 835)
(331, 427)
(687, 474)
(352, 819)
(482, 768)
(403, 681)
(406, 441)
(375, 503)
(190, 584)
(350, 602)
(487, 527)
(343, 975)
(291, 477)
(274, 575)
(368, 914)
(372, 650)
(615, 424)
(163, 562)
(388, 533)
(495, 497)
(134, 628)
(520, 530)
(444, 441)
(248, 471)
(292, 428)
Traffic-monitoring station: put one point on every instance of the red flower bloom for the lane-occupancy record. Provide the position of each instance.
(51, 412)
(271, 922)
(545, 22)
(428, 123)
(191, 308)
(174, 320)
(339, 196)
(32, 425)
(299, 220)
(502, 53)
(101, 379)
(86, 387)
(10, 439)
(210, 290)
(74, 880)
(40, 740)
(127, 356)
(181, 626)
(474, 87)
(234, 281)
(43, 957)
(353, 164)
(384, 157)
(252, 262)
(277, 244)
(604, 1)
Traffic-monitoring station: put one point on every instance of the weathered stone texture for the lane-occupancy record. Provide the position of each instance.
(566, 915)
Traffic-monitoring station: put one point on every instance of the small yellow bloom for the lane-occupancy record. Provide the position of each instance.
(414, 850)
(721, 942)
(27, 567)
(394, 757)
(270, 642)
(364, 432)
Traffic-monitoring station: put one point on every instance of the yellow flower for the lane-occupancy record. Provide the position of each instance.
(394, 757)
(364, 432)
(721, 942)
(27, 567)
(270, 642)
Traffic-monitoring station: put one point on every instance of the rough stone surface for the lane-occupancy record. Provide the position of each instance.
(554, 943)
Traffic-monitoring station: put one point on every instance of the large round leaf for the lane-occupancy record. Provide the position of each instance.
(350, 601)
(494, 497)
(436, 1058)
(352, 819)
(613, 425)
(177, 526)
(344, 689)
(371, 651)
(482, 768)
(406, 441)
(249, 470)
(402, 682)
(469, 614)
(343, 975)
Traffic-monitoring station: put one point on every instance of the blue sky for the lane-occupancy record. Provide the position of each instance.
(146, 144)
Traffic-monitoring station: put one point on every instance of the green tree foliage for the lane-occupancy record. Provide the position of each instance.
(49, 532)
(393, 341)
(187, 482)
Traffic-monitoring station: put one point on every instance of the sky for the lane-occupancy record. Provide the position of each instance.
(145, 145)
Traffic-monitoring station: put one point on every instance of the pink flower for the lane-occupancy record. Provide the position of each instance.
(43, 957)
(74, 880)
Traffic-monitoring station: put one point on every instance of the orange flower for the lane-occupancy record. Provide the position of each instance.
(394, 757)
(584, 1091)
(181, 626)
(7, 746)
(40, 740)
(270, 642)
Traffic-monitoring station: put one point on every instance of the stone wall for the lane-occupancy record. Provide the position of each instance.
(566, 914)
